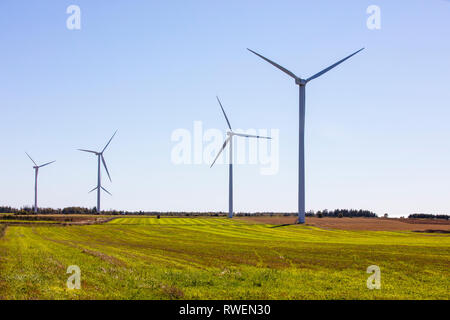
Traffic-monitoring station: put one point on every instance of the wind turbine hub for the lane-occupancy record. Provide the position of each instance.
(300, 82)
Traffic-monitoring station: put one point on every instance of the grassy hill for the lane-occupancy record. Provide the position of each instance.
(217, 258)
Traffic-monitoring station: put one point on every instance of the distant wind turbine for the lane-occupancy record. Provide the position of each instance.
(301, 157)
(230, 135)
(36, 171)
(100, 157)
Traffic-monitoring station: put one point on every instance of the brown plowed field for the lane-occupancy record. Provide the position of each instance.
(370, 224)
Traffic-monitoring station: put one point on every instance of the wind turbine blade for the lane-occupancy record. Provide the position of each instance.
(250, 136)
(31, 159)
(332, 66)
(104, 164)
(226, 118)
(223, 147)
(275, 65)
(106, 191)
(109, 141)
(88, 151)
(93, 189)
(46, 164)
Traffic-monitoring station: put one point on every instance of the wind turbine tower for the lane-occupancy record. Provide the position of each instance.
(301, 139)
(100, 159)
(36, 171)
(229, 140)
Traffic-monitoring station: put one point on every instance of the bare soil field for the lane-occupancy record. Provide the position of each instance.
(367, 224)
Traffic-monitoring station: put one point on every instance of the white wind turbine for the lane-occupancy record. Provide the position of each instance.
(100, 158)
(230, 135)
(36, 171)
(301, 152)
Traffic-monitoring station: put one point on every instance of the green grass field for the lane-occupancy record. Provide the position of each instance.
(216, 258)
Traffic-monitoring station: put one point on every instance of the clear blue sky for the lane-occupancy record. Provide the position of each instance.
(377, 127)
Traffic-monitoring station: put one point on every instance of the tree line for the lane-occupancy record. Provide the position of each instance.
(429, 216)
(90, 211)
(337, 213)
(340, 213)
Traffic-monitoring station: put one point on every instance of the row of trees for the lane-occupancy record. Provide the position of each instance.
(339, 213)
(29, 210)
(429, 216)
(80, 210)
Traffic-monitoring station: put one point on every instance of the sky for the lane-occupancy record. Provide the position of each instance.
(377, 133)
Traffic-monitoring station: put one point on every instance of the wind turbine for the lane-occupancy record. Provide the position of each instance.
(230, 135)
(301, 153)
(36, 171)
(100, 158)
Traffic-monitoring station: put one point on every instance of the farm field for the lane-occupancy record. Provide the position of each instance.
(217, 258)
(368, 224)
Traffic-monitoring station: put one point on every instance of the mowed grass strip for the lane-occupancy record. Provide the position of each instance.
(218, 258)
(171, 221)
(26, 221)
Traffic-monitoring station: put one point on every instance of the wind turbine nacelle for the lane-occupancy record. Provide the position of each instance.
(300, 82)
